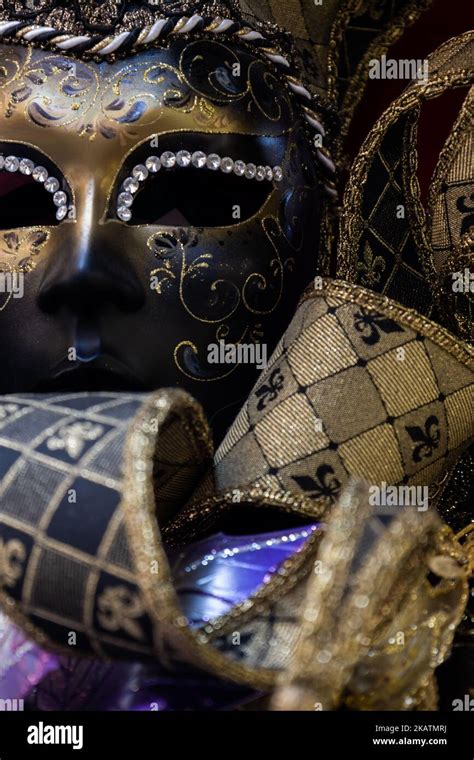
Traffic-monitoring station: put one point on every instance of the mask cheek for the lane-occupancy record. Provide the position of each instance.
(20, 252)
(223, 284)
(299, 216)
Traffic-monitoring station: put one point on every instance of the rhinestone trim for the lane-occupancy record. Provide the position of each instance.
(184, 159)
(40, 174)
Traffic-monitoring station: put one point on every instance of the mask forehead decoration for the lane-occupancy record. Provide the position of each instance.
(140, 26)
(183, 173)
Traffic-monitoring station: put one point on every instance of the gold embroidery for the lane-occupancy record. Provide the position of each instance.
(118, 609)
(372, 267)
(12, 557)
(373, 631)
(73, 438)
(352, 223)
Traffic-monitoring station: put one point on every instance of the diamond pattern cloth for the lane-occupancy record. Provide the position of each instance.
(64, 549)
(358, 386)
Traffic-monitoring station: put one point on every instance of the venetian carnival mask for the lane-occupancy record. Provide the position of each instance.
(162, 175)
(151, 208)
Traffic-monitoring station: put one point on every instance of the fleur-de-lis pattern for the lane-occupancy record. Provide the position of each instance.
(73, 438)
(268, 392)
(64, 503)
(12, 557)
(427, 438)
(119, 609)
(322, 484)
(371, 267)
(7, 409)
(370, 391)
(370, 325)
(344, 410)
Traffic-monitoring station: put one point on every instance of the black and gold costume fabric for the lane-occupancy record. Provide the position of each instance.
(370, 624)
(388, 242)
(364, 384)
(451, 220)
(354, 376)
(358, 386)
(84, 479)
(70, 567)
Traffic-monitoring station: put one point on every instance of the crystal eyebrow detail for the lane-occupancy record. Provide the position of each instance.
(185, 159)
(40, 174)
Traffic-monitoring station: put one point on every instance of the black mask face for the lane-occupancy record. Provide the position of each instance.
(149, 273)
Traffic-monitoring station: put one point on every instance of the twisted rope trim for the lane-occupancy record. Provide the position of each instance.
(99, 47)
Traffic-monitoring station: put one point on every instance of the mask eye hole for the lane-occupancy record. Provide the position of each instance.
(198, 198)
(211, 191)
(33, 191)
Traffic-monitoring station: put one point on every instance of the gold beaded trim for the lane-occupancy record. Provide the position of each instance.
(410, 318)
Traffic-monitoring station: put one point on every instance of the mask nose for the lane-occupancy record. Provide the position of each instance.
(91, 267)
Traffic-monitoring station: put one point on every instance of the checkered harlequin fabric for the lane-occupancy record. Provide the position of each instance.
(64, 550)
(388, 243)
(351, 390)
(386, 258)
(451, 214)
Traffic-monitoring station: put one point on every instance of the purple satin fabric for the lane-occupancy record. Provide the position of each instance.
(210, 577)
